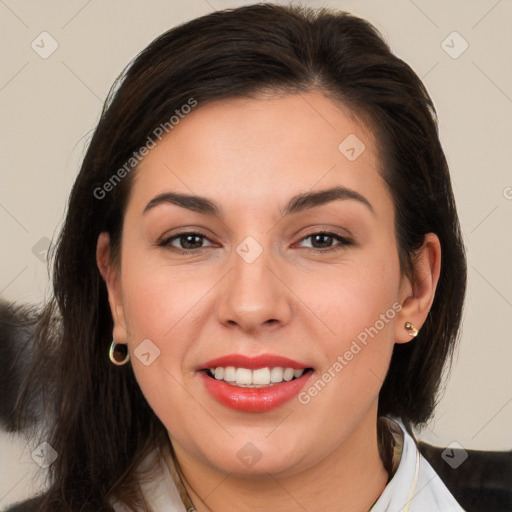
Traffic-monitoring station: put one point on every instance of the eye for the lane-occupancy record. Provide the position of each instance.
(188, 242)
(323, 241)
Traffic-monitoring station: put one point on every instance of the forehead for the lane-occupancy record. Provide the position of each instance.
(253, 152)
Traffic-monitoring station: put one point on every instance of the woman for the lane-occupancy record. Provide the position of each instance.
(259, 281)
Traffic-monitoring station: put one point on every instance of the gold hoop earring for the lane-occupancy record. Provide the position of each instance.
(413, 332)
(118, 353)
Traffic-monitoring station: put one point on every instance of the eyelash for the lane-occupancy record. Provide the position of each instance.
(344, 242)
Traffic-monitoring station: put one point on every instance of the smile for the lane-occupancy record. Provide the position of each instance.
(254, 384)
(244, 377)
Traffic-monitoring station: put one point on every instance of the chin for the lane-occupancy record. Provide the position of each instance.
(246, 458)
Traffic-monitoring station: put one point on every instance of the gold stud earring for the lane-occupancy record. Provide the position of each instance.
(118, 353)
(413, 332)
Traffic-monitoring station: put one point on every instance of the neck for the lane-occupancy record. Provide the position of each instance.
(349, 479)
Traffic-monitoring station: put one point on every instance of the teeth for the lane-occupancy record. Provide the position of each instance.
(276, 374)
(243, 376)
(261, 377)
(230, 374)
(288, 374)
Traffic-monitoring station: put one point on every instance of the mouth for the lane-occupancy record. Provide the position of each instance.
(258, 378)
(254, 384)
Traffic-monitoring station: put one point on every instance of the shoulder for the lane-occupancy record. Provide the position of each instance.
(30, 505)
(431, 478)
(479, 480)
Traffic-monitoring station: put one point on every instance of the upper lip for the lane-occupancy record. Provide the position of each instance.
(253, 363)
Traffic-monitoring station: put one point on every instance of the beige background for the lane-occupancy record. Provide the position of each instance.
(50, 106)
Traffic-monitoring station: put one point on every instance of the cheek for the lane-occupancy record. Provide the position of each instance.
(360, 309)
(159, 299)
(351, 297)
(159, 315)
(358, 302)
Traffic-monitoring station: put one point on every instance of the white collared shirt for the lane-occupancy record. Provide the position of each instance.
(415, 487)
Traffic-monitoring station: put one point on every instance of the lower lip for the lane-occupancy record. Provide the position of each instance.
(254, 399)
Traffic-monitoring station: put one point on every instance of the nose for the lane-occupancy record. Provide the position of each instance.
(254, 296)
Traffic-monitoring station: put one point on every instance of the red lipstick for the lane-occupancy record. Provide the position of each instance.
(254, 399)
(253, 363)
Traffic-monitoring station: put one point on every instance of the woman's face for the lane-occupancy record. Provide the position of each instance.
(261, 274)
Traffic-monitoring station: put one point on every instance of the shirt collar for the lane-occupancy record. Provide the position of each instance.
(415, 486)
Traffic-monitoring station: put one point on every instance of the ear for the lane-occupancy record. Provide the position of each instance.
(416, 298)
(111, 276)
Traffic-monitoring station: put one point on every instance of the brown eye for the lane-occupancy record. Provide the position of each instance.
(323, 241)
(186, 242)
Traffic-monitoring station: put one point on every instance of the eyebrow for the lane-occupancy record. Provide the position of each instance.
(296, 204)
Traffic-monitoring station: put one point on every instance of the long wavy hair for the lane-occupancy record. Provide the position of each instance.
(97, 419)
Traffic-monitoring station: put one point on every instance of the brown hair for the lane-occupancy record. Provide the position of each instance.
(99, 422)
